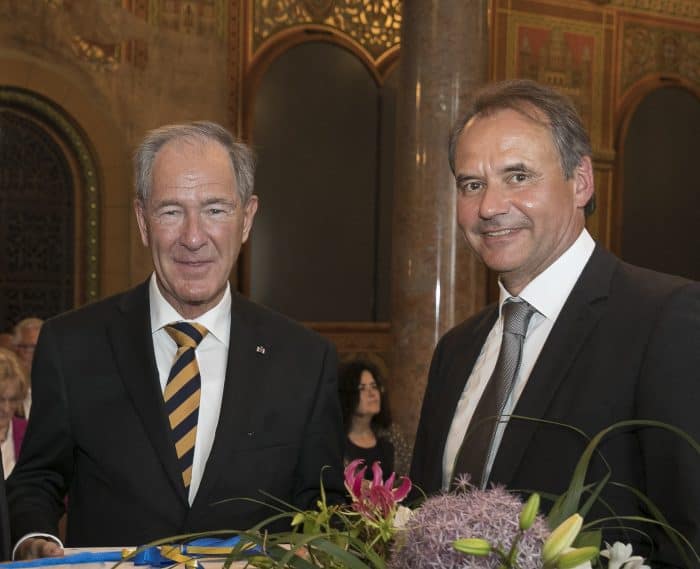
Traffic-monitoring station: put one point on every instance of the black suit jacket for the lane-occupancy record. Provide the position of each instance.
(4, 518)
(626, 345)
(99, 433)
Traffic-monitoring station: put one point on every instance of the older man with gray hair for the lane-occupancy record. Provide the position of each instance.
(153, 407)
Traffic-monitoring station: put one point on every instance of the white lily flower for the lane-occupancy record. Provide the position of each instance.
(617, 554)
(403, 514)
(620, 556)
(635, 562)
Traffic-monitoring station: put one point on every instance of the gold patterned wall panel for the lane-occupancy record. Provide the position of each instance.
(685, 9)
(197, 17)
(598, 53)
(375, 25)
(656, 47)
(564, 54)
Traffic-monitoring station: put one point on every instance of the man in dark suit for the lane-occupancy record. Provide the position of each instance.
(144, 451)
(605, 341)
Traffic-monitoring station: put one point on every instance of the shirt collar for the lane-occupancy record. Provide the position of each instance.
(548, 291)
(217, 319)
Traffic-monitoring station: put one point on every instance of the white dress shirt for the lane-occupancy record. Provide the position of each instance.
(212, 358)
(547, 293)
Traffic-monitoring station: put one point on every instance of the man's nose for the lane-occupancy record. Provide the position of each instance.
(494, 201)
(194, 233)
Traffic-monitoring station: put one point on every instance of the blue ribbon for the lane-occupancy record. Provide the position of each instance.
(150, 556)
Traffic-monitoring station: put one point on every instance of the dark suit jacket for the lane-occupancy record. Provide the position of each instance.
(98, 431)
(626, 345)
(4, 519)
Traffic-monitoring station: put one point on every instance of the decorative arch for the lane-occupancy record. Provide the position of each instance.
(64, 149)
(629, 102)
(81, 155)
(379, 68)
(75, 99)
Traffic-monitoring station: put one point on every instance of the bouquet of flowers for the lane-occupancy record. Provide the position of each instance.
(468, 528)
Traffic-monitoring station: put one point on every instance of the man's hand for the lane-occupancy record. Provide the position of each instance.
(36, 547)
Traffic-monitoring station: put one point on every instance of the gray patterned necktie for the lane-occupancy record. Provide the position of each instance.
(478, 440)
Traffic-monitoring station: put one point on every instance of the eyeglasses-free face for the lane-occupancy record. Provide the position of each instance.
(370, 400)
(370, 387)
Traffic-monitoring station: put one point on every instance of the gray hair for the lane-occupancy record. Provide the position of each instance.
(241, 156)
(523, 95)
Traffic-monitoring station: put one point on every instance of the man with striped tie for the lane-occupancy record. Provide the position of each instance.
(153, 407)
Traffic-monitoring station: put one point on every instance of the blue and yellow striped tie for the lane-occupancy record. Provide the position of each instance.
(182, 392)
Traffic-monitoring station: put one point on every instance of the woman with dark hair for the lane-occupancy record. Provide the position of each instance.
(365, 416)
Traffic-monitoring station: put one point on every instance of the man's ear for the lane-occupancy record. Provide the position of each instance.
(584, 185)
(139, 210)
(249, 210)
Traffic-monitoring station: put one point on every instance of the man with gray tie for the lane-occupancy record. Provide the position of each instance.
(578, 337)
(159, 410)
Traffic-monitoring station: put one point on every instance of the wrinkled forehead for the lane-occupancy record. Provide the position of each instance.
(192, 145)
(525, 124)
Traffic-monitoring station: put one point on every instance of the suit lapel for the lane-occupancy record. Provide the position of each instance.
(575, 323)
(461, 367)
(132, 344)
(463, 356)
(245, 390)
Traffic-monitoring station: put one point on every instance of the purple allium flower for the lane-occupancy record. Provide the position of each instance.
(492, 514)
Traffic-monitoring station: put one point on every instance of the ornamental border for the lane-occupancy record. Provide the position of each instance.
(76, 141)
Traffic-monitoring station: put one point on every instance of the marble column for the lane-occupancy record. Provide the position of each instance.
(436, 280)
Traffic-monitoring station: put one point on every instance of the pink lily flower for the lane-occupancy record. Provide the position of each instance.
(378, 498)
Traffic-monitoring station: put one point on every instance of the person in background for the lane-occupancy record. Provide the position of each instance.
(13, 386)
(26, 335)
(366, 416)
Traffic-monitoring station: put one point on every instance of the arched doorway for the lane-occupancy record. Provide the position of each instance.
(323, 127)
(660, 199)
(48, 210)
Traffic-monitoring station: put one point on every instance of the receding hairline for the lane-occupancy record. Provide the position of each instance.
(194, 144)
(524, 108)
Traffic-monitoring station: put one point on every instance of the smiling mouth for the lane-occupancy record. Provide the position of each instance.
(500, 232)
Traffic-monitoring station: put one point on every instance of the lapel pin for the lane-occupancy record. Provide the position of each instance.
(260, 349)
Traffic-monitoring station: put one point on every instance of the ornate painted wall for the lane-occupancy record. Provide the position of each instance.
(605, 55)
(120, 67)
(117, 68)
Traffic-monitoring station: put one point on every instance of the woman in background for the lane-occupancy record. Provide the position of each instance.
(365, 416)
(13, 389)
